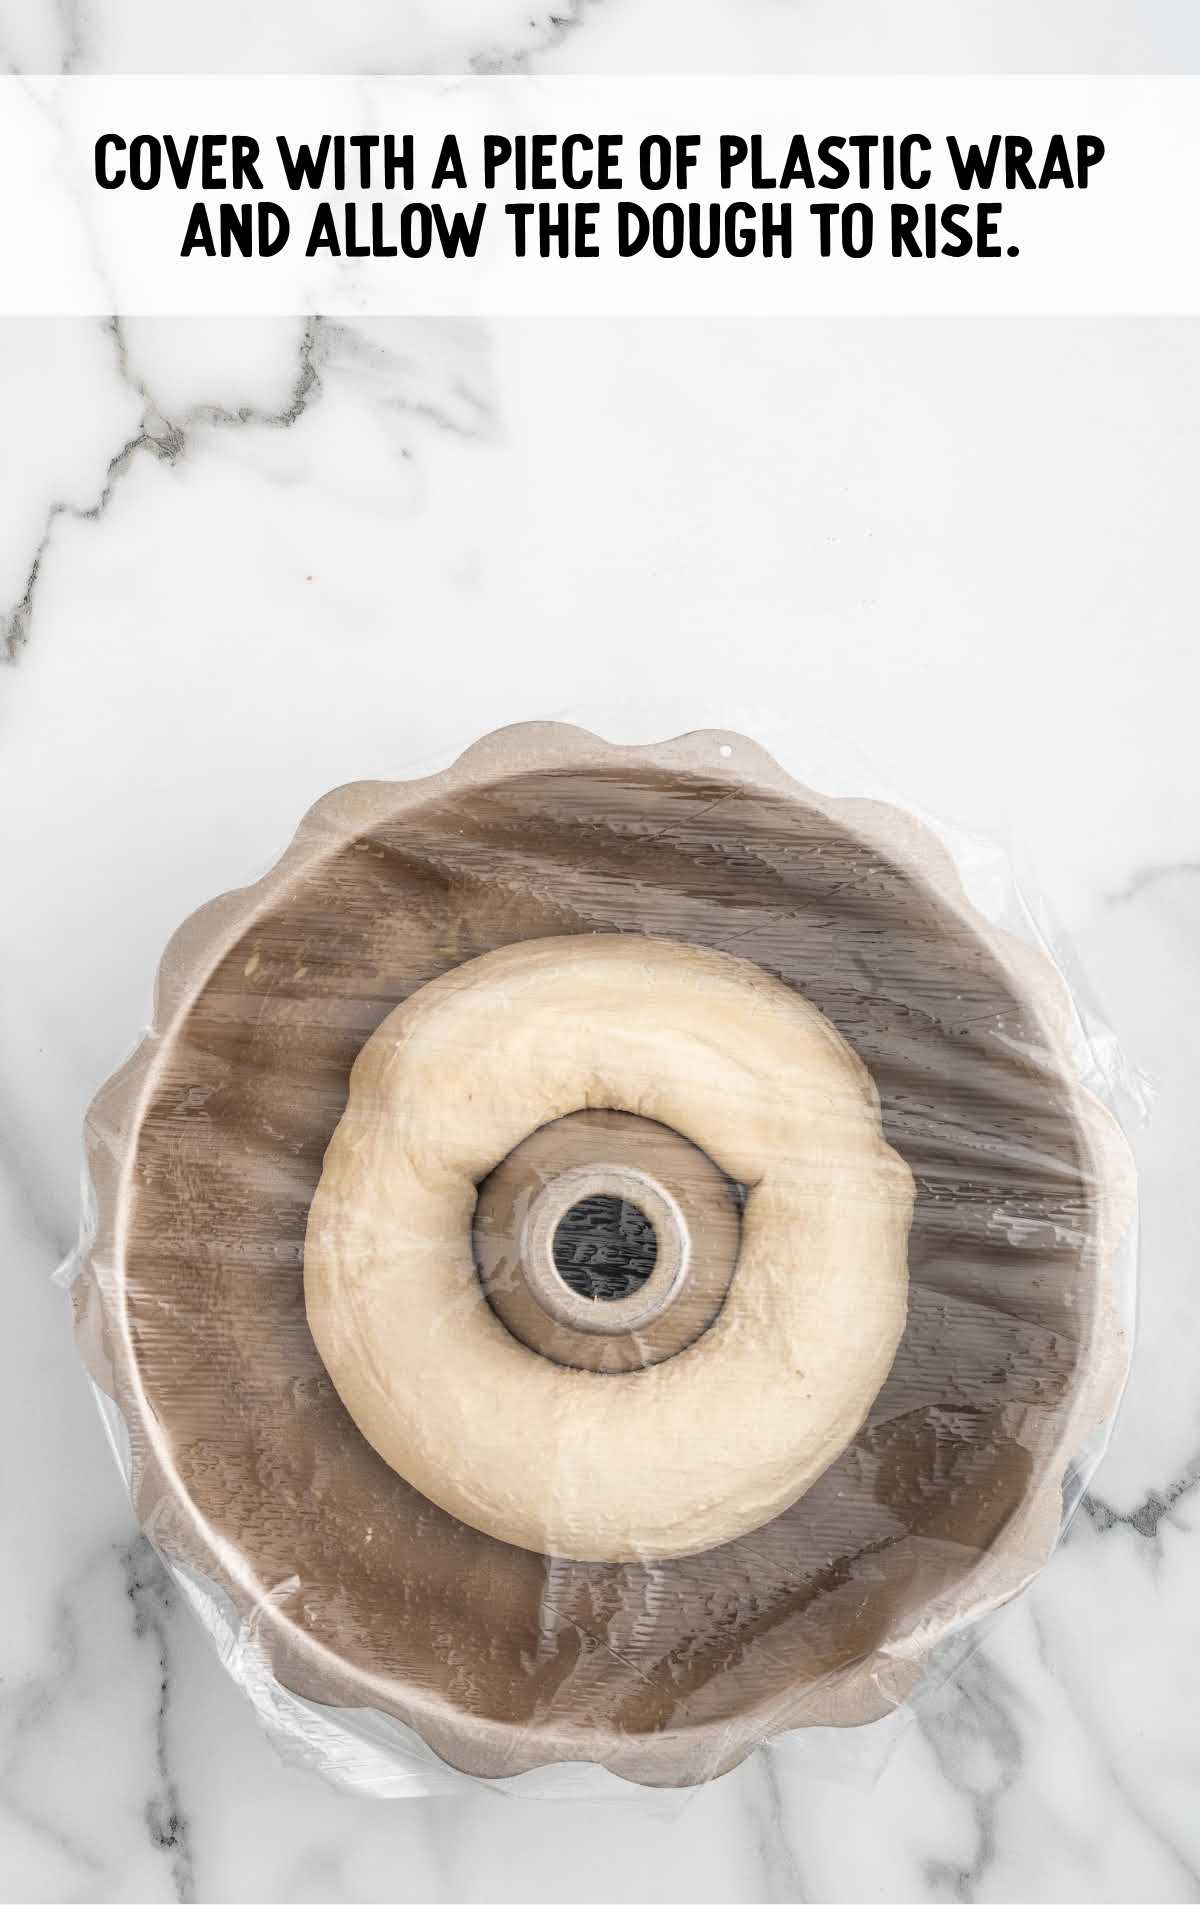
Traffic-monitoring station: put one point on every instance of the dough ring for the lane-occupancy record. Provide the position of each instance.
(648, 1463)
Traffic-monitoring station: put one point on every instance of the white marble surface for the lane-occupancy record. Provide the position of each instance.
(240, 563)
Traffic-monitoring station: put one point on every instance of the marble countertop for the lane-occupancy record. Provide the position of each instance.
(241, 562)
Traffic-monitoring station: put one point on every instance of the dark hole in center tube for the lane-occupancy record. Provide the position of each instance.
(605, 1248)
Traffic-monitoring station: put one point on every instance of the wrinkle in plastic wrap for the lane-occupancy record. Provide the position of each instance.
(385, 1640)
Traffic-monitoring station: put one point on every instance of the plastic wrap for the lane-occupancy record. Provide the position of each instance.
(604, 1257)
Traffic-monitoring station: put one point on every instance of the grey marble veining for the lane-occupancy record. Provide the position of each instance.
(602, 36)
(151, 1598)
(160, 436)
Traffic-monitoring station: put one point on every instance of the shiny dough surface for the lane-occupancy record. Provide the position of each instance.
(650, 1463)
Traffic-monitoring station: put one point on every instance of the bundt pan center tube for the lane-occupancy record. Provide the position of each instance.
(607, 1241)
(467, 1017)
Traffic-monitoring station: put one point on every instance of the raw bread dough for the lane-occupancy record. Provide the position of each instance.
(651, 1463)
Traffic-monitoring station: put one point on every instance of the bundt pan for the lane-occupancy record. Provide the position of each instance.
(206, 1149)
